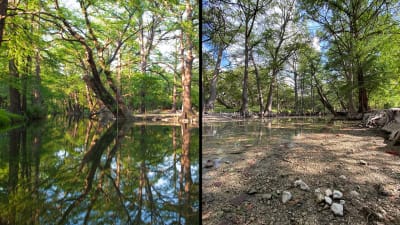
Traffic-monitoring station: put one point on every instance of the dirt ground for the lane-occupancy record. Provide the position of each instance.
(246, 186)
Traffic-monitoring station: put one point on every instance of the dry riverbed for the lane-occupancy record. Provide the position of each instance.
(244, 179)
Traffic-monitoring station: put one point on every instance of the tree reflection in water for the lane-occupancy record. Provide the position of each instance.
(83, 172)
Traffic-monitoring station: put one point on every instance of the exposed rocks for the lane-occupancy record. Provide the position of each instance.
(328, 200)
(319, 197)
(303, 186)
(337, 194)
(328, 192)
(337, 209)
(267, 196)
(286, 196)
(319, 167)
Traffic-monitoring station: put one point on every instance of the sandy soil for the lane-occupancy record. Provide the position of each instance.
(246, 187)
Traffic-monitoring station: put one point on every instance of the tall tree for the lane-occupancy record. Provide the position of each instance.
(218, 34)
(281, 44)
(249, 10)
(100, 51)
(349, 26)
(187, 63)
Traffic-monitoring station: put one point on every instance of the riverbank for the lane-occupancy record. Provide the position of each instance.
(245, 176)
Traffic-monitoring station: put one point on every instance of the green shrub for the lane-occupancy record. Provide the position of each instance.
(5, 121)
(7, 118)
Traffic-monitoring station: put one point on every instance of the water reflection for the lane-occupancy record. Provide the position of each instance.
(84, 172)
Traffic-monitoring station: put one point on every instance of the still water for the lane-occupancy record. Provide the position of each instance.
(222, 141)
(61, 171)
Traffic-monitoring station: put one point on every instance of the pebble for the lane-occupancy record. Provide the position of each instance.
(337, 194)
(328, 192)
(342, 202)
(252, 191)
(303, 186)
(328, 200)
(267, 196)
(362, 162)
(354, 193)
(319, 197)
(286, 196)
(343, 177)
(209, 164)
(337, 209)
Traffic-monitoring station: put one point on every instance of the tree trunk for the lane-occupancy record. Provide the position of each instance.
(116, 106)
(244, 111)
(3, 15)
(258, 80)
(222, 102)
(174, 94)
(187, 75)
(349, 80)
(296, 95)
(15, 96)
(174, 87)
(146, 44)
(362, 92)
(268, 107)
(24, 80)
(323, 98)
(37, 95)
(213, 85)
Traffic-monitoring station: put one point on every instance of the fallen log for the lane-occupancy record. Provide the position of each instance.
(387, 120)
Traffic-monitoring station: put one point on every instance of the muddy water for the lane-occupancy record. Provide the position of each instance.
(224, 142)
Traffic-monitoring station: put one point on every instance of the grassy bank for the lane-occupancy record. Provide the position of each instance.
(7, 119)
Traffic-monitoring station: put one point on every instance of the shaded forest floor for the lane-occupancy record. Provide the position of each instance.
(245, 186)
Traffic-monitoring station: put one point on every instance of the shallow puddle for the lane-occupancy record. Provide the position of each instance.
(226, 141)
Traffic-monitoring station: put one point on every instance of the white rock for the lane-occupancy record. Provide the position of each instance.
(342, 202)
(286, 196)
(328, 200)
(318, 190)
(303, 186)
(343, 177)
(337, 209)
(328, 192)
(337, 194)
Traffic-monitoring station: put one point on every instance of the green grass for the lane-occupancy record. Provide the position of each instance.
(7, 118)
